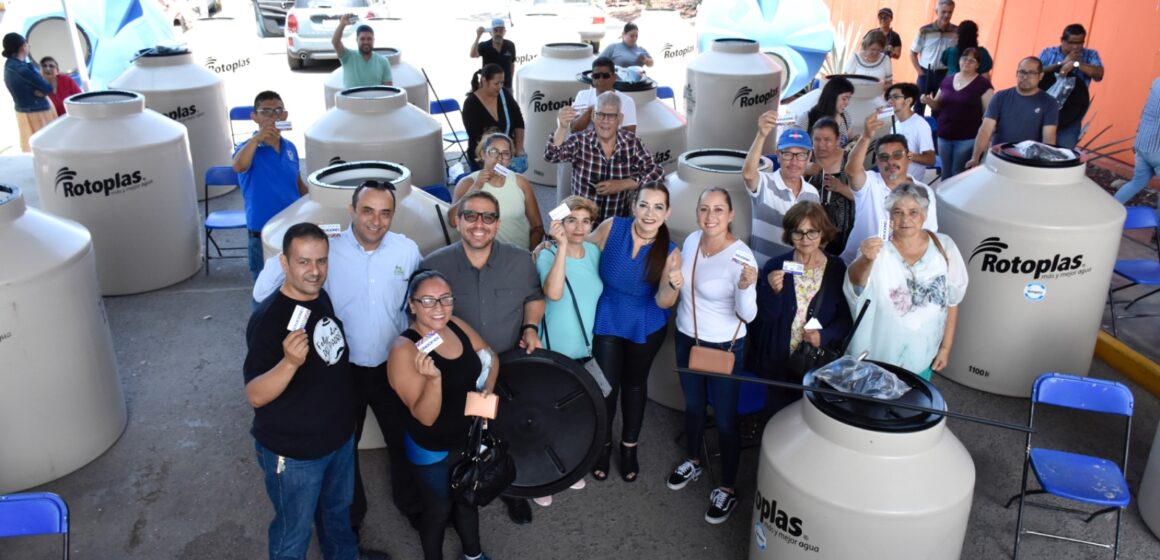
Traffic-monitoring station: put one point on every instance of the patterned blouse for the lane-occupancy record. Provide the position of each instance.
(805, 287)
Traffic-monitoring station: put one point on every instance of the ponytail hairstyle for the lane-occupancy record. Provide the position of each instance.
(417, 278)
(483, 74)
(654, 269)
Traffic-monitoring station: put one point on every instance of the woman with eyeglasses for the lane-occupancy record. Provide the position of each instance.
(914, 281)
(832, 103)
(434, 386)
(962, 101)
(521, 225)
(641, 271)
(570, 274)
(488, 108)
(871, 60)
(63, 85)
(717, 299)
(626, 52)
(803, 284)
(827, 174)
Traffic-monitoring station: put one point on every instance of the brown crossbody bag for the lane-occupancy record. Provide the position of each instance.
(702, 358)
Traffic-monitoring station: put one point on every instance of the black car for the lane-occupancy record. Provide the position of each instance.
(270, 16)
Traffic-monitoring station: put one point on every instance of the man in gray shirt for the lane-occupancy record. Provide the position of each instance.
(1023, 112)
(496, 288)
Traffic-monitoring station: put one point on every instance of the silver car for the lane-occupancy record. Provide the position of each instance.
(310, 24)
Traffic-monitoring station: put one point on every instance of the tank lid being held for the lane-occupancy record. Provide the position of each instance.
(104, 104)
(881, 417)
(735, 45)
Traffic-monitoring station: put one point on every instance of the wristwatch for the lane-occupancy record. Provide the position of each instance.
(1075, 64)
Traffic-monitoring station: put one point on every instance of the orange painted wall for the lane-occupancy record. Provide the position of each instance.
(1125, 32)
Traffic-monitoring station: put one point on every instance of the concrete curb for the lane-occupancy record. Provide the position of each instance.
(1130, 363)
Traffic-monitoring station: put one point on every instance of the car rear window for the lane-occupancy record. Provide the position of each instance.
(330, 3)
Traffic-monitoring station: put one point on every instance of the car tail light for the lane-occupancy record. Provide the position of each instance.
(292, 23)
(598, 20)
(370, 15)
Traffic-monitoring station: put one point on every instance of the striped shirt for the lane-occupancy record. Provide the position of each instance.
(589, 167)
(770, 203)
(1148, 134)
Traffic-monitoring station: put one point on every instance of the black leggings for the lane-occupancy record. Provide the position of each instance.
(434, 485)
(372, 388)
(626, 365)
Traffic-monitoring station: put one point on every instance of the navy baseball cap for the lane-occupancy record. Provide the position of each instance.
(795, 138)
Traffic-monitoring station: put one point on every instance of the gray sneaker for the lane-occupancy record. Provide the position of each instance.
(684, 473)
(721, 504)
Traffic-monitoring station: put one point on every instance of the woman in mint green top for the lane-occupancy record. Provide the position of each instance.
(519, 214)
(562, 330)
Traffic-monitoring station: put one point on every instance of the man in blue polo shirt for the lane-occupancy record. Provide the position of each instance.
(267, 167)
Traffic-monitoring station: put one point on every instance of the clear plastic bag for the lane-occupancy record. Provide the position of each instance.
(1037, 151)
(849, 375)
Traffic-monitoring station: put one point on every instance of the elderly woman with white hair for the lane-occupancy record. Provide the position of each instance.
(915, 280)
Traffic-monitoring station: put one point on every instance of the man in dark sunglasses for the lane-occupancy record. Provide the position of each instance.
(603, 79)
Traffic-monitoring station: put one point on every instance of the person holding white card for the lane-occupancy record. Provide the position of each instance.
(715, 304)
(521, 225)
(774, 193)
(799, 301)
(827, 173)
(603, 79)
(434, 386)
(914, 282)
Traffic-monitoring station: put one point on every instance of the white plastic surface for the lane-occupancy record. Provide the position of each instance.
(543, 86)
(727, 89)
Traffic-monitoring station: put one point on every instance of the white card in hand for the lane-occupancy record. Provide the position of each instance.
(742, 258)
(812, 325)
(501, 170)
(885, 229)
(298, 318)
(886, 112)
(282, 125)
(793, 267)
(429, 342)
(786, 120)
(560, 212)
(331, 230)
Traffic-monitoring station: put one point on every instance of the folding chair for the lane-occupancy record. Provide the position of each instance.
(34, 513)
(455, 137)
(666, 92)
(239, 113)
(1139, 272)
(221, 219)
(1082, 478)
(440, 191)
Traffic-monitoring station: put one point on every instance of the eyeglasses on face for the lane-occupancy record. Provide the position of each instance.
(495, 153)
(1022, 73)
(791, 156)
(471, 216)
(601, 75)
(896, 97)
(270, 112)
(810, 234)
(605, 116)
(427, 302)
(896, 155)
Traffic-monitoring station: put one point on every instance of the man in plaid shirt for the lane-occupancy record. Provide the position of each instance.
(608, 163)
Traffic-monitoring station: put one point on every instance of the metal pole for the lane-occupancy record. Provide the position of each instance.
(856, 397)
(82, 65)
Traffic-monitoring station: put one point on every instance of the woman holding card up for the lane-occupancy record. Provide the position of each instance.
(799, 300)
(914, 280)
(520, 222)
(718, 274)
(434, 364)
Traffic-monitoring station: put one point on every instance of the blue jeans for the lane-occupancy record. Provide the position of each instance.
(317, 490)
(955, 154)
(725, 394)
(1068, 136)
(1147, 166)
(255, 253)
(438, 505)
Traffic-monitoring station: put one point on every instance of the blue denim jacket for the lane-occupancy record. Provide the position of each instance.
(23, 80)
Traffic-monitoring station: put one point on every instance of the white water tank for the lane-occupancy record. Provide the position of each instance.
(403, 75)
(672, 43)
(543, 86)
(1040, 240)
(698, 170)
(727, 89)
(124, 172)
(842, 479)
(179, 88)
(60, 399)
(376, 123)
(418, 215)
(867, 99)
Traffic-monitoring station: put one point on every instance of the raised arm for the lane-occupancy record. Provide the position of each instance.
(417, 380)
(336, 39)
(474, 53)
(855, 165)
(766, 123)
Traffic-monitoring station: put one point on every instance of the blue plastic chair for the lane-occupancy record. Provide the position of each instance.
(240, 113)
(1072, 476)
(439, 191)
(34, 513)
(1139, 272)
(937, 165)
(221, 176)
(666, 92)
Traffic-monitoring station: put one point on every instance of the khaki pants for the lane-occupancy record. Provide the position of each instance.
(32, 122)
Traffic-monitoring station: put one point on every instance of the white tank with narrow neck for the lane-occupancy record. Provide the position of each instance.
(179, 88)
(403, 75)
(841, 479)
(672, 42)
(867, 99)
(376, 123)
(698, 170)
(543, 87)
(62, 400)
(1040, 241)
(728, 88)
(124, 172)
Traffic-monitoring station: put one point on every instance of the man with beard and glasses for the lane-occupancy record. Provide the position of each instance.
(1023, 112)
(362, 67)
(871, 188)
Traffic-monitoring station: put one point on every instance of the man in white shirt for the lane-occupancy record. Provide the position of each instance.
(367, 283)
(603, 78)
(919, 140)
(774, 193)
(872, 187)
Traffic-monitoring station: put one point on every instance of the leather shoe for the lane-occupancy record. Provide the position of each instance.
(519, 510)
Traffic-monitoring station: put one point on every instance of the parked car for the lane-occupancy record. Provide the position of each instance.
(586, 16)
(270, 16)
(310, 24)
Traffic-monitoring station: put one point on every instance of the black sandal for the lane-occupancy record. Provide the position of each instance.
(601, 467)
(629, 467)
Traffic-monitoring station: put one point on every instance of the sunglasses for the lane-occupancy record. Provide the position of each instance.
(883, 156)
(601, 75)
(471, 216)
(377, 185)
(427, 302)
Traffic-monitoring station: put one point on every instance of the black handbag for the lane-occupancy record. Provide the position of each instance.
(486, 470)
(806, 357)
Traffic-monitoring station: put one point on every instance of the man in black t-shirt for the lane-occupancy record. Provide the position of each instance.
(302, 392)
(496, 51)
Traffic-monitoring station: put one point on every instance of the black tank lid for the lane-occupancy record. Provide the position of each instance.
(644, 85)
(881, 417)
(162, 50)
(1008, 152)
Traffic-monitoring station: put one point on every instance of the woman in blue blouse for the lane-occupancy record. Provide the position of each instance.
(28, 88)
(786, 301)
(637, 262)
